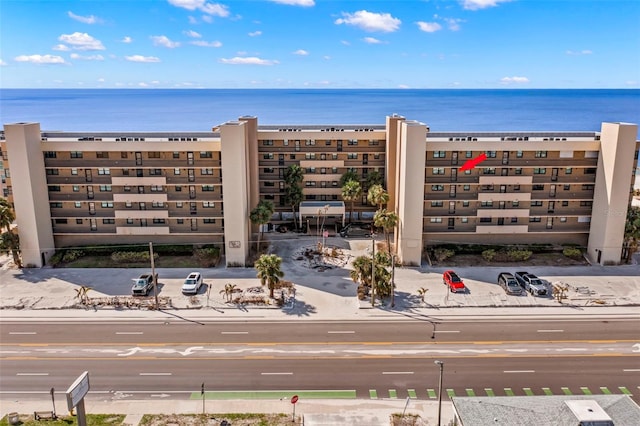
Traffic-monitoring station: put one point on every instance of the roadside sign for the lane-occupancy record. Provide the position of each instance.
(294, 399)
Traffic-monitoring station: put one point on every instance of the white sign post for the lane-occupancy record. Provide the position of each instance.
(75, 397)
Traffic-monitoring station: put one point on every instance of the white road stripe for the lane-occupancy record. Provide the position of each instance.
(22, 332)
(447, 331)
(129, 332)
(277, 374)
(234, 332)
(155, 374)
(340, 332)
(550, 331)
(630, 370)
(519, 371)
(32, 374)
(397, 372)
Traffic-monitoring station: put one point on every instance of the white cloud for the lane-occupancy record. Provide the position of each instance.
(84, 19)
(345, 42)
(3, 63)
(371, 40)
(101, 80)
(403, 86)
(429, 27)
(87, 58)
(203, 43)
(514, 80)
(453, 23)
(370, 21)
(140, 58)
(40, 59)
(61, 47)
(481, 4)
(255, 33)
(304, 3)
(81, 41)
(578, 52)
(326, 57)
(126, 39)
(301, 52)
(164, 42)
(192, 34)
(215, 9)
(252, 60)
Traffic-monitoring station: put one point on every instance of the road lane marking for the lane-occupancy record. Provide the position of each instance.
(630, 370)
(155, 374)
(585, 390)
(566, 391)
(32, 374)
(550, 331)
(22, 332)
(129, 332)
(397, 372)
(519, 371)
(234, 332)
(341, 332)
(509, 392)
(528, 391)
(624, 390)
(277, 374)
(547, 391)
(605, 390)
(447, 331)
(489, 392)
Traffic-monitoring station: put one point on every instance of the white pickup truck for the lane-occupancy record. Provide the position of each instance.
(142, 285)
(532, 283)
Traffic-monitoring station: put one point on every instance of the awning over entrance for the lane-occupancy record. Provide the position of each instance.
(322, 208)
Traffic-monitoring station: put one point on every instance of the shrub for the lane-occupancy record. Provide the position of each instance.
(442, 254)
(572, 252)
(489, 255)
(56, 259)
(207, 257)
(132, 256)
(71, 255)
(518, 255)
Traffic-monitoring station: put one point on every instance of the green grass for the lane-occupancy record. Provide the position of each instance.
(92, 420)
(333, 394)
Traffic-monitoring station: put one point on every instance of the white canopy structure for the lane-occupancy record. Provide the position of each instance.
(322, 208)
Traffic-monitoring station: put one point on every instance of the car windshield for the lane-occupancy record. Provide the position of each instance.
(190, 281)
(139, 283)
(455, 278)
(512, 283)
(536, 282)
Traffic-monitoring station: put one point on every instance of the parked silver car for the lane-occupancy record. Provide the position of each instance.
(508, 282)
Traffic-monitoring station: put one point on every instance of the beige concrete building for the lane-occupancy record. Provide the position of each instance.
(73, 189)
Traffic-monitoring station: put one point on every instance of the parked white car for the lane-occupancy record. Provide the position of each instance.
(192, 283)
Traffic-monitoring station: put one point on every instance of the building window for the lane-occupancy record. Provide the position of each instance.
(486, 204)
(464, 219)
(127, 188)
(157, 188)
(157, 204)
(127, 204)
(76, 188)
(467, 172)
(518, 154)
(568, 171)
(105, 188)
(208, 204)
(56, 205)
(124, 155)
(76, 154)
(179, 205)
(48, 154)
(485, 220)
(74, 172)
(438, 170)
(61, 221)
(514, 220)
(108, 221)
(518, 170)
(176, 154)
(515, 203)
(129, 221)
(590, 171)
(541, 154)
(159, 221)
(437, 187)
(207, 188)
(107, 204)
(565, 203)
(539, 170)
(468, 154)
(587, 187)
(439, 154)
(465, 204)
(78, 221)
(78, 204)
(586, 203)
(436, 220)
(153, 154)
(206, 171)
(466, 187)
(208, 220)
(54, 188)
(436, 204)
(206, 154)
(535, 219)
(104, 171)
(489, 170)
(102, 154)
(267, 156)
(53, 172)
(487, 187)
(536, 203)
(516, 187)
(490, 154)
(537, 187)
(563, 219)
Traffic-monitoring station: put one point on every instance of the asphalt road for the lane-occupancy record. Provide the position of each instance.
(173, 358)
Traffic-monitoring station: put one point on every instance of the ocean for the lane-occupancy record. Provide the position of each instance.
(201, 109)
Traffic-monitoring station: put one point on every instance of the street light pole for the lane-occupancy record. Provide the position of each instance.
(153, 275)
(373, 269)
(441, 364)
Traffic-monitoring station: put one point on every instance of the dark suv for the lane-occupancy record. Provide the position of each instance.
(356, 230)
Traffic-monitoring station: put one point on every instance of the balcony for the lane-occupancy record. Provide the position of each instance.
(502, 229)
(142, 230)
(504, 196)
(503, 213)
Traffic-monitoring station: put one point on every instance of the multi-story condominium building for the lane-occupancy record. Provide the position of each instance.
(74, 189)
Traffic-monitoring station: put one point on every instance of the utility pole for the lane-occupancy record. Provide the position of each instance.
(373, 269)
(441, 365)
(153, 275)
(393, 282)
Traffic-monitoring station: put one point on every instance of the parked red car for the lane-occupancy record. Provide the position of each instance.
(453, 281)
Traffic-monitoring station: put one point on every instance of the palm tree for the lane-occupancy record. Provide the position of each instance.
(377, 196)
(261, 215)
(10, 242)
(632, 231)
(81, 293)
(373, 178)
(350, 174)
(351, 191)
(361, 273)
(387, 221)
(293, 176)
(422, 292)
(269, 272)
(228, 291)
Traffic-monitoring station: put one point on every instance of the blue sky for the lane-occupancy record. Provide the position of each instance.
(320, 44)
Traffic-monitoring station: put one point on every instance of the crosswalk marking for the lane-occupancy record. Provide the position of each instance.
(470, 392)
(432, 393)
(373, 394)
(393, 394)
(624, 390)
(585, 390)
(508, 392)
(489, 392)
(605, 390)
(450, 393)
(547, 391)
(566, 391)
(412, 393)
(528, 391)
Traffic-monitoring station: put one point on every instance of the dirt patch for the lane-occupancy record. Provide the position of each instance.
(537, 259)
(218, 420)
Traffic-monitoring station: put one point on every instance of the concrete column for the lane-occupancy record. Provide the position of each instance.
(233, 136)
(611, 192)
(410, 175)
(30, 192)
